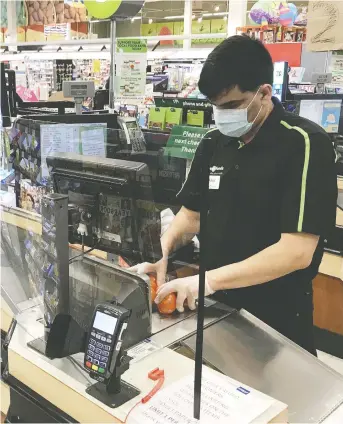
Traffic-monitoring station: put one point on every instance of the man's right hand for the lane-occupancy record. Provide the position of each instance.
(159, 268)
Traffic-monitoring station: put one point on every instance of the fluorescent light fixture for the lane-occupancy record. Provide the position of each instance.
(136, 18)
(215, 14)
(175, 17)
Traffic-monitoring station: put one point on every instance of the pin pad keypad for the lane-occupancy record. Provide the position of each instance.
(98, 352)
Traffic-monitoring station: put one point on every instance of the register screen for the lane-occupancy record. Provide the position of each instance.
(105, 322)
(325, 113)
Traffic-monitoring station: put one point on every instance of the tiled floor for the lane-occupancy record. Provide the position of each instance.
(331, 361)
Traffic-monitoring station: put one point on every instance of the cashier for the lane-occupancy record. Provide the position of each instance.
(272, 197)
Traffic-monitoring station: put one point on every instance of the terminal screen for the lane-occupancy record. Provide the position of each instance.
(325, 113)
(105, 322)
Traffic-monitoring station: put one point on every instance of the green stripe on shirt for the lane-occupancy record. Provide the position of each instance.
(304, 174)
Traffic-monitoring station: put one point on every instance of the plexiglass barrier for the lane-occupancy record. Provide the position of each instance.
(90, 202)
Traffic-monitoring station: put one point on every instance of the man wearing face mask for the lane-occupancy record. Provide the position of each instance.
(272, 198)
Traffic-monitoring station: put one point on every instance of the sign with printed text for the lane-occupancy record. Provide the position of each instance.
(131, 64)
(184, 141)
(223, 401)
(132, 45)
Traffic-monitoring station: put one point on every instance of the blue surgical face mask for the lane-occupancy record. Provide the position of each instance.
(234, 122)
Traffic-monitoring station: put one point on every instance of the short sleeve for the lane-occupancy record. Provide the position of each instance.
(309, 189)
(189, 195)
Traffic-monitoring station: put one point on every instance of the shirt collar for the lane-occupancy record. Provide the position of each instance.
(275, 116)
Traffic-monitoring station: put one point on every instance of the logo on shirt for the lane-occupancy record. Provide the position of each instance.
(215, 169)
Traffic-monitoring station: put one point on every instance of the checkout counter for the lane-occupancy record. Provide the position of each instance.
(236, 344)
(113, 206)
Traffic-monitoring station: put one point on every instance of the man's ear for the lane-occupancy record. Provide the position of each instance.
(267, 92)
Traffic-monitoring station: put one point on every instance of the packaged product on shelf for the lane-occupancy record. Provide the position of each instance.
(31, 196)
(41, 12)
(128, 111)
(157, 118)
(176, 78)
(173, 117)
(195, 118)
(143, 116)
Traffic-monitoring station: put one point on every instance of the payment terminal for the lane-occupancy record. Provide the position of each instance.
(105, 339)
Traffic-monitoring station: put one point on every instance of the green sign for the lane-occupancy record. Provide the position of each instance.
(188, 103)
(184, 141)
(132, 45)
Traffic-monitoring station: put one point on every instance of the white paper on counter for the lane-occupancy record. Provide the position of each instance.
(142, 350)
(223, 401)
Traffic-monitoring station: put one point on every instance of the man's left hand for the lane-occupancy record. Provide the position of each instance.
(186, 289)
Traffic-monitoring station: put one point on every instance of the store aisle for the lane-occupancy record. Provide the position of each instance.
(331, 361)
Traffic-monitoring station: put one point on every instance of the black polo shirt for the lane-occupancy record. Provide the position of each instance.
(283, 181)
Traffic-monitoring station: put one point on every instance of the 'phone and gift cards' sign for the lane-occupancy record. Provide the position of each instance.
(115, 9)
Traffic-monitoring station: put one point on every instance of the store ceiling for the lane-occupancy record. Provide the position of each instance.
(160, 10)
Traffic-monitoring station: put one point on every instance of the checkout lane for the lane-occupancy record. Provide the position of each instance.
(235, 343)
(257, 361)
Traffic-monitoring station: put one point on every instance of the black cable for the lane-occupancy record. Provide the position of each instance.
(73, 259)
(80, 368)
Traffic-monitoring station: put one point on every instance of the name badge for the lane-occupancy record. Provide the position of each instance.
(214, 182)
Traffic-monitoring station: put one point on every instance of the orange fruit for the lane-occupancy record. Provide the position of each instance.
(168, 304)
(152, 294)
(153, 281)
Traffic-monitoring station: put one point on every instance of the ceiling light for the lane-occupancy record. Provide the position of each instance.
(200, 19)
(215, 14)
(150, 21)
(216, 8)
(174, 17)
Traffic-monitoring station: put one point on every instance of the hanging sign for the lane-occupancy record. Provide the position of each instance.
(115, 9)
(324, 25)
(131, 63)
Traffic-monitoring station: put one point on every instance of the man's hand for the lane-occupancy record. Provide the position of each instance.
(159, 268)
(185, 288)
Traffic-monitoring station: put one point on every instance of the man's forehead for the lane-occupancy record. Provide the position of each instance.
(230, 95)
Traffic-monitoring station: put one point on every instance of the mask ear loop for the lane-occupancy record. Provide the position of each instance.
(252, 123)
(258, 90)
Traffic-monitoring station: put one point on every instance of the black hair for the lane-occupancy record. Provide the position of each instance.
(238, 60)
(28, 195)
